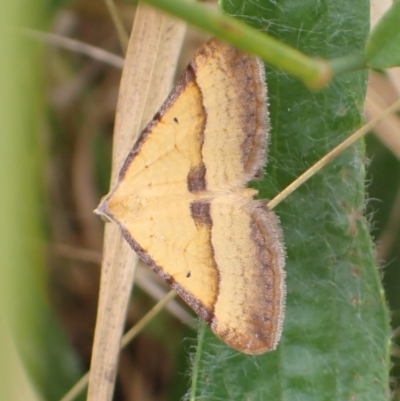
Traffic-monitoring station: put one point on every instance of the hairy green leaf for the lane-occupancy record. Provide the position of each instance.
(336, 334)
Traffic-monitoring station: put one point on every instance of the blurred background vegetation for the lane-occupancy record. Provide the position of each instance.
(57, 109)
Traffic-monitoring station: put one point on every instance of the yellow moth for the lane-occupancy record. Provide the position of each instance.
(182, 204)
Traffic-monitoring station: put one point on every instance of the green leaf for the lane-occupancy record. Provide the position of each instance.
(336, 333)
(383, 46)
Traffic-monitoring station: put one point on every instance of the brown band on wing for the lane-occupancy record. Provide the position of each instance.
(201, 214)
(267, 238)
(255, 123)
(196, 179)
(247, 75)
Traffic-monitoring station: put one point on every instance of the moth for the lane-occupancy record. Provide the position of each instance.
(182, 204)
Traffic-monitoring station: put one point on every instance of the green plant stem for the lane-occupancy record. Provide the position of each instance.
(347, 63)
(196, 364)
(315, 73)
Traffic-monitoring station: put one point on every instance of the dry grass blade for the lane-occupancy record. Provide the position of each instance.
(146, 80)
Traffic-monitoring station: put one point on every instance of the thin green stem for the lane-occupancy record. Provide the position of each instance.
(315, 73)
(347, 63)
(195, 371)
